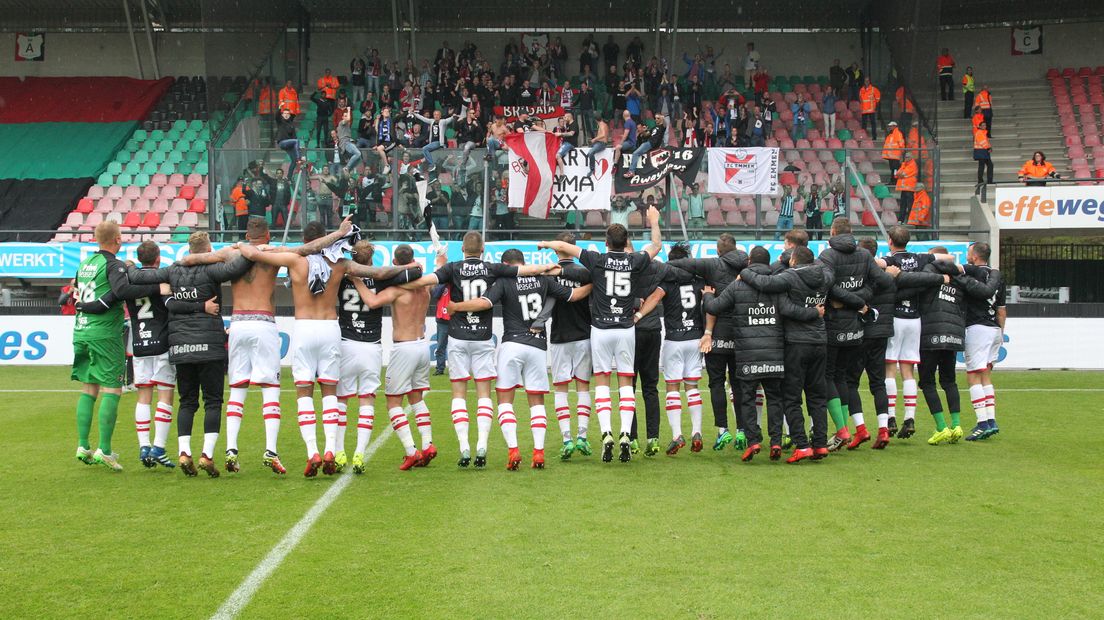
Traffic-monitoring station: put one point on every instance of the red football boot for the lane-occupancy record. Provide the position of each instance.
(428, 455)
(775, 453)
(538, 459)
(411, 460)
(329, 464)
(513, 459)
(820, 453)
(800, 454)
(860, 437)
(750, 453)
(883, 439)
(313, 463)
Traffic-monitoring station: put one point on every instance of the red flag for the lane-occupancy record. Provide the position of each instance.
(532, 170)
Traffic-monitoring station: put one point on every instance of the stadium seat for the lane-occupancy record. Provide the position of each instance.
(176, 180)
(93, 220)
(160, 205)
(74, 220)
(178, 205)
(85, 205)
(152, 219)
(734, 219)
(197, 205)
(132, 220)
(141, 205)
(712, 218)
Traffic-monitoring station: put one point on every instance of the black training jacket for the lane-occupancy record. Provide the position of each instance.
(807, 287)
(852, 272)
(718, 272)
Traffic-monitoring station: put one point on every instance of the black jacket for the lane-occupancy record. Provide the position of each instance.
(718, 272)
(852, 273)
(884, 300)
(194, 335)
(757, 325)
(943, 305)
(807, 287)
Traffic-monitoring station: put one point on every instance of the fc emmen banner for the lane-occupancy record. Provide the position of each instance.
(743, 171)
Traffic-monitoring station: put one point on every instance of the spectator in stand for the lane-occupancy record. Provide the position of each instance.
(610, 52)
(770, 112)
(366, 129)
(904, 106)
(967, 92)
(751, 63)
(438, 202)
(837, 77)
(287, 140)
(469, 135)
(1036, 170)
(437, 127)
(67, 301)
(977, 119)
(839, 198)
(800, 110)
(694, 66)
(653, 139)
(893, 147)
(854, 81)
(504, 216)
(828, 109)
(386, 138)
(585, 106)
(440, 300)
(907, 176)
(695, 208)
(240, 205)
(445, 53)
(328, 84)
(785, 212)
(343, 142)
(568, 130)
(281, 198)
(475, 204)
(288, 99)
(945, 65)
(628, 135)
(324, 109)
(634, 104)
(761, 82)
(257, 191)
(869, 98)
(757, 129)
(920, 215)
(634, 53)
(598, 143)
(357, 69)
(619, 211)
(733, 114)
(983, 154)
(373, 72)
(984, 101)
(460, 207)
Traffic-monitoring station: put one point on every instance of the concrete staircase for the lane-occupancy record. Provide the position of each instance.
(1025, 120)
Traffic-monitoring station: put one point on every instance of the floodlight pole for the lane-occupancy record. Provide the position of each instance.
(658, 18)
(674, 35)
(395, 25)
(133, 42)
(149, 39)
(413, 45)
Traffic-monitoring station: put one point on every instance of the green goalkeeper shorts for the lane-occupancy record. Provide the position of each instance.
(101, 362)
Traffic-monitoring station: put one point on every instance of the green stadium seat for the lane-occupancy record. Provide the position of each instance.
(167, 168)
(196, 125)
(843, 134)
(823, 80)
(809, 79)
(185, 167)
(193, 157)
(157, 135)
(140, 135)
(114, 167)
(165, 145)
(795, 80)
(141, 157)
(175, 157)
(201, 167)
(181, 234)
(840, 155)
(124, 180)
(105, 180)
(141, 180)
(180, 125)
(149, 146)
(784, 88)
(189, 135)
(158, 157)
(132, 145)
(150, 168)
(122, 156)
(183, 146)
(881, 191)
(132, 167)
(853, 179)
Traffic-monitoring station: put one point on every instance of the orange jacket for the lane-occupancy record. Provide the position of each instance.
(983, 99)
(914, 142)
(1031, 169)
(237, 196)
(944, 61)
(920, 214)
(907, 175)
(869, 96)
(894, 142)
(328, 86)
(977, 119)
(266, 102)
(981, 140)
(289, 100)
(904, 103)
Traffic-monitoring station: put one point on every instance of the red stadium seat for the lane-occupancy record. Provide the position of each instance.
(197, 205)
(85, 205)
(152, 219)
(187, 192)
(132, 220)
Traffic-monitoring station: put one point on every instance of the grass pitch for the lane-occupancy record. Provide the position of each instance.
(1007, 527)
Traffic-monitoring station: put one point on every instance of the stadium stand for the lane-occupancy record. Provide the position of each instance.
(1076, 93)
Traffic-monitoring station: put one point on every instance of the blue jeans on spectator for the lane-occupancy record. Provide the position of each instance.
(640, 150)
(785, 223)
(799, 131)
(564, 149)
(592, 153)
(442, 345)
(475, 222)
(354, 156)
(493, 144)
(373, 84)
(291, 147)
(429, 148)
(441, 222)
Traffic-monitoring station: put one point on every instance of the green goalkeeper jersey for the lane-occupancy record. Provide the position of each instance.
(94, 282)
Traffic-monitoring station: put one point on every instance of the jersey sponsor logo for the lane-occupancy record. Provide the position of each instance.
(190, 293)
(762, 369)
(180, 349)
(849, 336)
(948, 293)
(851, 283)
(724, 344)
(945, 339)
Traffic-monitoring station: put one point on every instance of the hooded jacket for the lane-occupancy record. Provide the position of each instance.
(757, 324)
(884, 301)
(807, 287)
(852, 273)
(194, 335)
(943, 305)
(718, 272)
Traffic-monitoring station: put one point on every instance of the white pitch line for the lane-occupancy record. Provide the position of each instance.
(435, 391)
(241, 596)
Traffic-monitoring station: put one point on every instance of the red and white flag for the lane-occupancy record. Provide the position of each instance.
(532, 171)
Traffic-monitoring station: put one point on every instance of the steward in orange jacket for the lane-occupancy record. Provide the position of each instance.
(289, 98)
(1037, 169)
(328, 84)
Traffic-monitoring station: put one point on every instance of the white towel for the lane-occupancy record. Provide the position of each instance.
(319, 266)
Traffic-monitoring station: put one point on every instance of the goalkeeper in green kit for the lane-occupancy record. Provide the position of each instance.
(99, 351)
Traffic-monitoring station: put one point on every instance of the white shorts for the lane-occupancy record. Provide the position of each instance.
(360, 368)
(983, 343)
(154, 370)
(613, 348)
(408, 368)
(471, 359)
(681, 359)
(570, 360)
(904, 345)
(315, 351)
(520, 365)
(254, 354)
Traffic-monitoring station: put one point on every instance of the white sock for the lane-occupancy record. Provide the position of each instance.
(364, 426)
(401, 424)
(908, 386)
(425, 427)
(307, 422)
(142, 423)
(858, 418)
(603, 408)
(460, 422)
(990, 403)
(760, 396)
(694, 404)
(563, 415)
(508, 423)
(185, 444)
(891, 393)
(538, 423)
(674, 413)
(235, 410)
(484, 416)
(271, 412)
(883, 420)
(979, 400)
(162, 421)
(209, 440)
(627, 407)
(330, 413)
(582, 411)
(342, 424)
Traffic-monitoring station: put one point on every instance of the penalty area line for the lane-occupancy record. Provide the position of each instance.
(243, 594)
